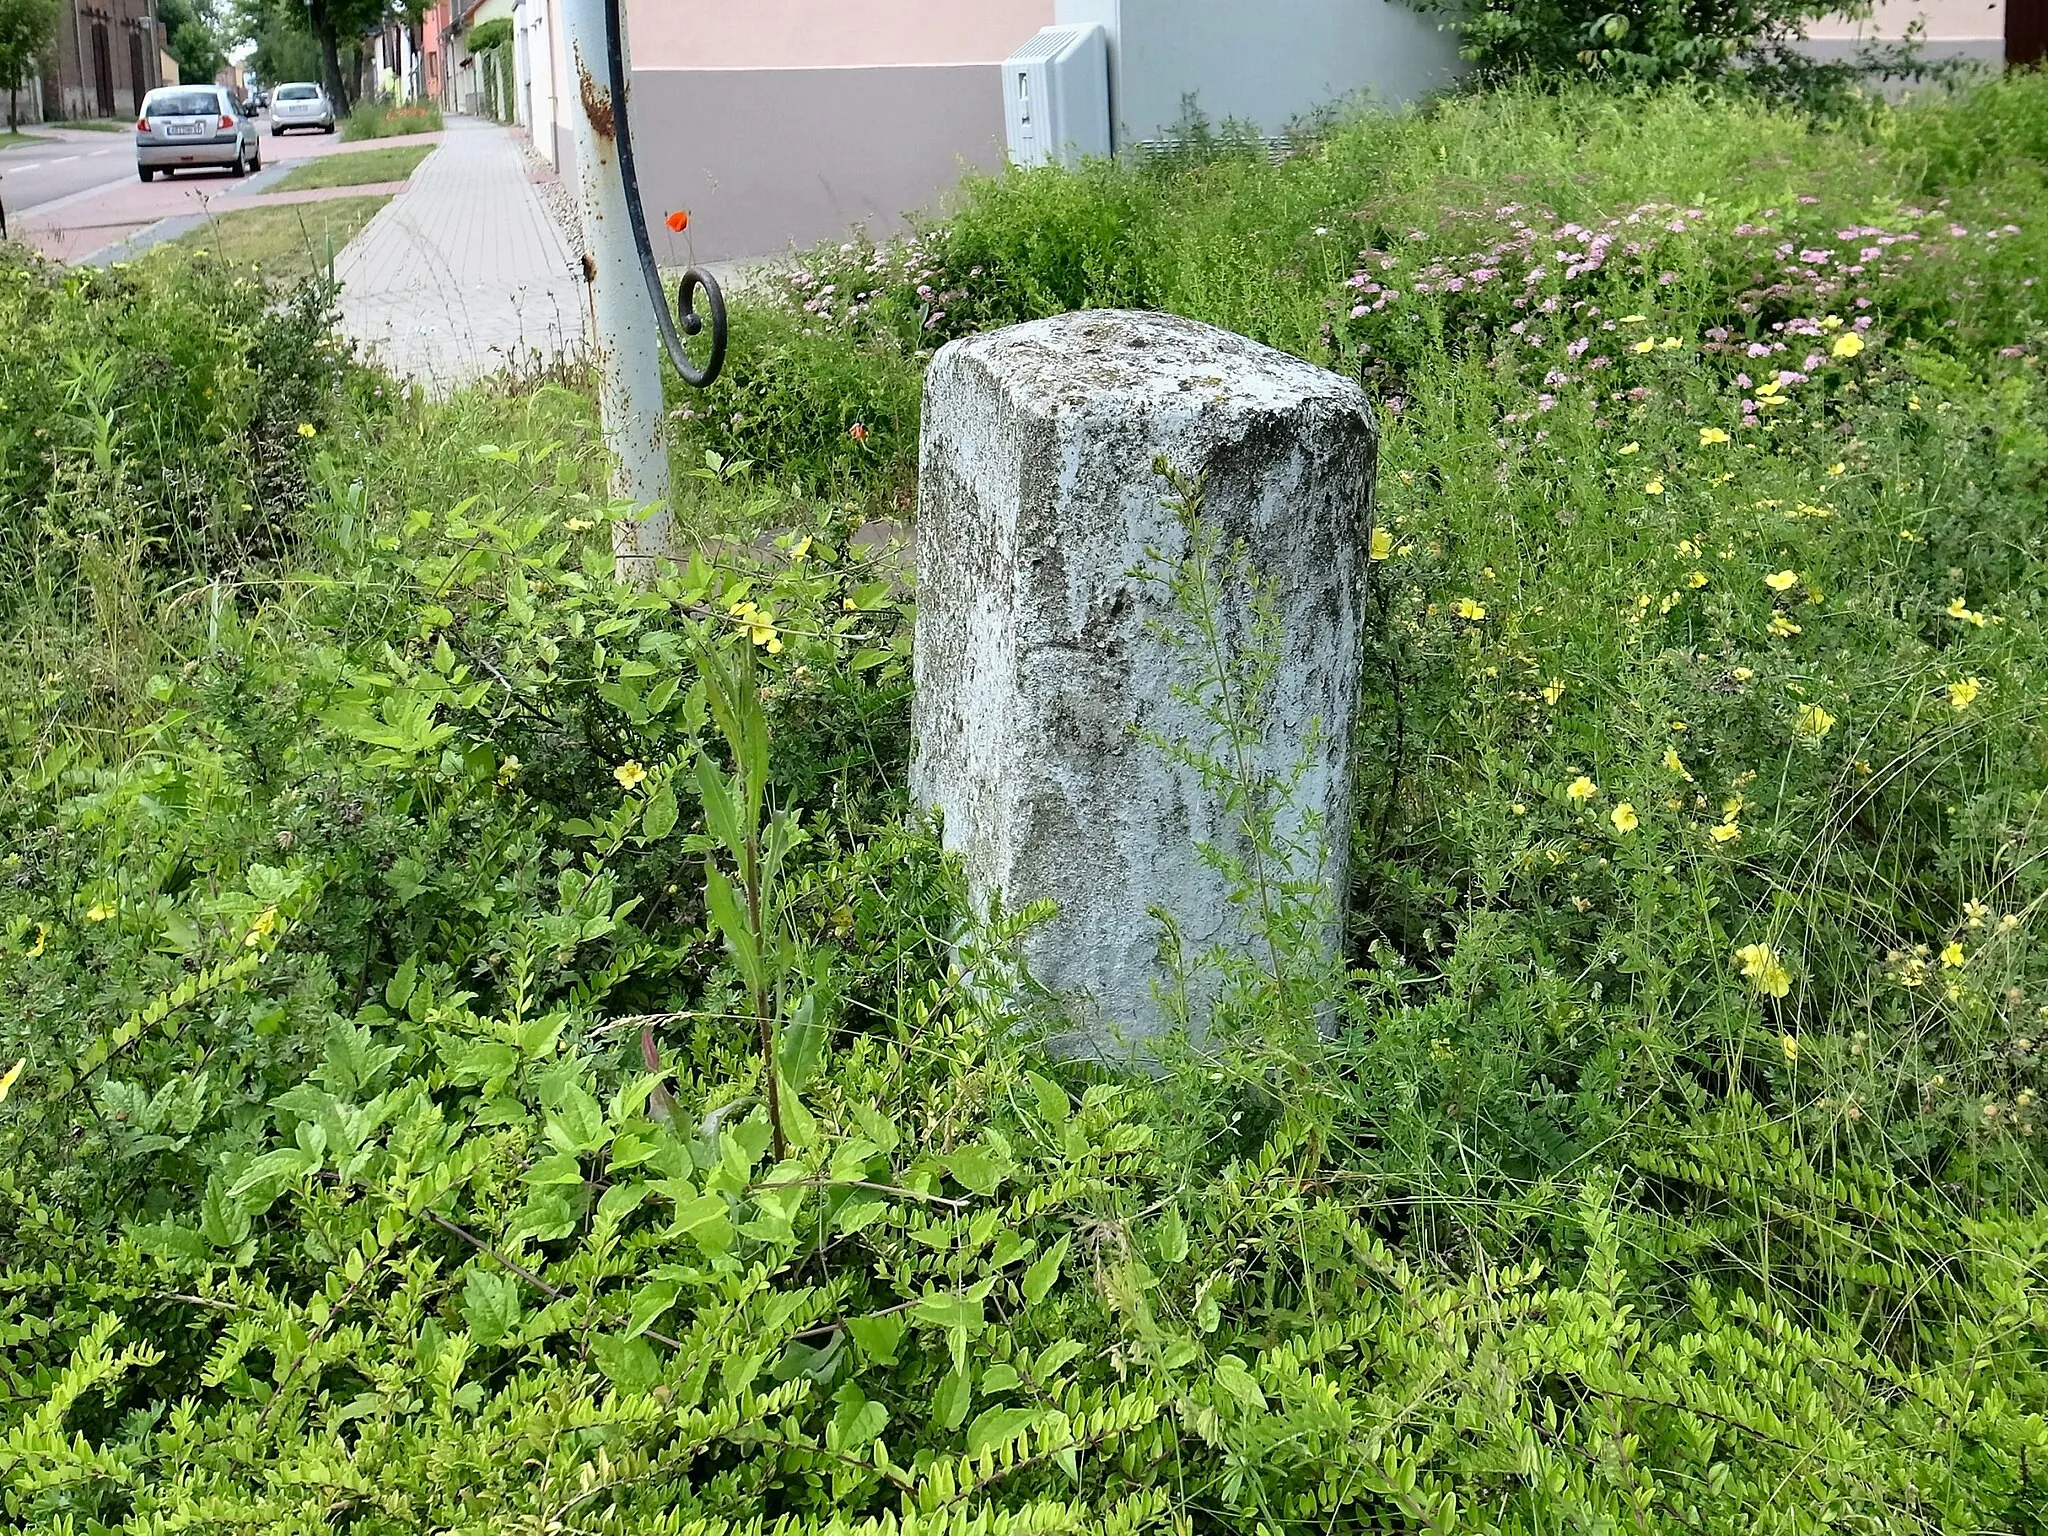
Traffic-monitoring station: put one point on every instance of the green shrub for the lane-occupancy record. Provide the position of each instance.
(175, 397)
(486, 35)
(825, 416)
(380, 119)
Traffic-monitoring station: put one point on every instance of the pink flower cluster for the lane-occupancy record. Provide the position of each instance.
(1533, 248)
(907, 266)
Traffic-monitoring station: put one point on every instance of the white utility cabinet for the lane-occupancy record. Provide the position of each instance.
(1056, 96)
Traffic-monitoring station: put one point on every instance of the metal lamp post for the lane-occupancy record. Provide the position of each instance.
(620, 271)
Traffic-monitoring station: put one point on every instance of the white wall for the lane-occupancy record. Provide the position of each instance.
(1948, 21)
(537, 27)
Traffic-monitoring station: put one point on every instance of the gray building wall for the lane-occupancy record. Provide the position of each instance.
(1270, 64)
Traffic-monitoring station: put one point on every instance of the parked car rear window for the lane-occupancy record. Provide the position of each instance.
(181, 104)
(297, 92)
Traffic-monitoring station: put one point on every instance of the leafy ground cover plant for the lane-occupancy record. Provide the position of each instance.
(394, 1145)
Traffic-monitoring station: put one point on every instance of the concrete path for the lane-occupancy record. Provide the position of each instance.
(464, 273)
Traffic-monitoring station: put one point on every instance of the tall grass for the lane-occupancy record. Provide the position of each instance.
(381, 119)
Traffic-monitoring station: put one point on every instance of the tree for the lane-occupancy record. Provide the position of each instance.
(193, 39)
(26, 27)
(285, 48)
(303, 39)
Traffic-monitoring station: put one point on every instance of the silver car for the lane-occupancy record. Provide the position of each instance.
(300, 105)
(184, 127)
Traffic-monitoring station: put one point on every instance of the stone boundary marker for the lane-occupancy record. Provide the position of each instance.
(1038, 665)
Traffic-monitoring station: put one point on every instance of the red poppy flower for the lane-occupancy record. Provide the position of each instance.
(679, 220)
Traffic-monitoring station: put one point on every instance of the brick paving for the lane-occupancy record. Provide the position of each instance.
(465, 273)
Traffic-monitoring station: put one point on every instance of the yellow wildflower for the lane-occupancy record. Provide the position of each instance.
(1624, 818)
(42, 939)
(1581, 789)
(1382, 544)
(264, 926)
(1953, 957)
(1958, 610)
(1815, 721)
(307, 429)
(1848, 344)
(1712, 435)
(1629, 448)
(1654, 487)
(1838, 468)
(98, 912)
(1782, 626)
(508, 770)
(1676, 763)
(630, 774)
(1789, 1044)
(11, 1077)
(1726, 832)
(1782, 581)
(759, 625)
(1963, 693)
(1553, 690)
(1633, 319)
(1763, 970)
(1696, 580)
(1466, 608)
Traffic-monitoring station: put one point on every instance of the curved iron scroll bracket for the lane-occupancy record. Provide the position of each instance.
(686, 321)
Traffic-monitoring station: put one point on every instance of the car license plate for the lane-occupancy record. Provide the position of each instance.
(185, 130)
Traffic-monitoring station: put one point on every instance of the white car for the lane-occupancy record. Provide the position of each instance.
(186, 127)
(300, 105)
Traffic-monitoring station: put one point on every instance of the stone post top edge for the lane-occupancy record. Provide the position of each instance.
(1090, 355)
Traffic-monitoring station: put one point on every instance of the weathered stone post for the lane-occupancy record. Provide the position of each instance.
(1039, 666)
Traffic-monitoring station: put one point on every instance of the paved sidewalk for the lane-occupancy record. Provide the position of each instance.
(464, 273)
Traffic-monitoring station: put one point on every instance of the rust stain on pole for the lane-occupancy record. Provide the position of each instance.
(597, 104)
(589, 267)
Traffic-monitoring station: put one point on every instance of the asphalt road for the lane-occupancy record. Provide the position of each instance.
(62, 165)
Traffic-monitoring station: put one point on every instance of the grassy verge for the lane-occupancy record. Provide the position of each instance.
(381, 120)
(13, 140)
(407, 925)
(284, 244)
(360, 169)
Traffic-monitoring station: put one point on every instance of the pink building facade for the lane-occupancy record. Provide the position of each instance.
(781, 123)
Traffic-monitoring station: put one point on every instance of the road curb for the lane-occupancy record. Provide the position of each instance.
(128, 248)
